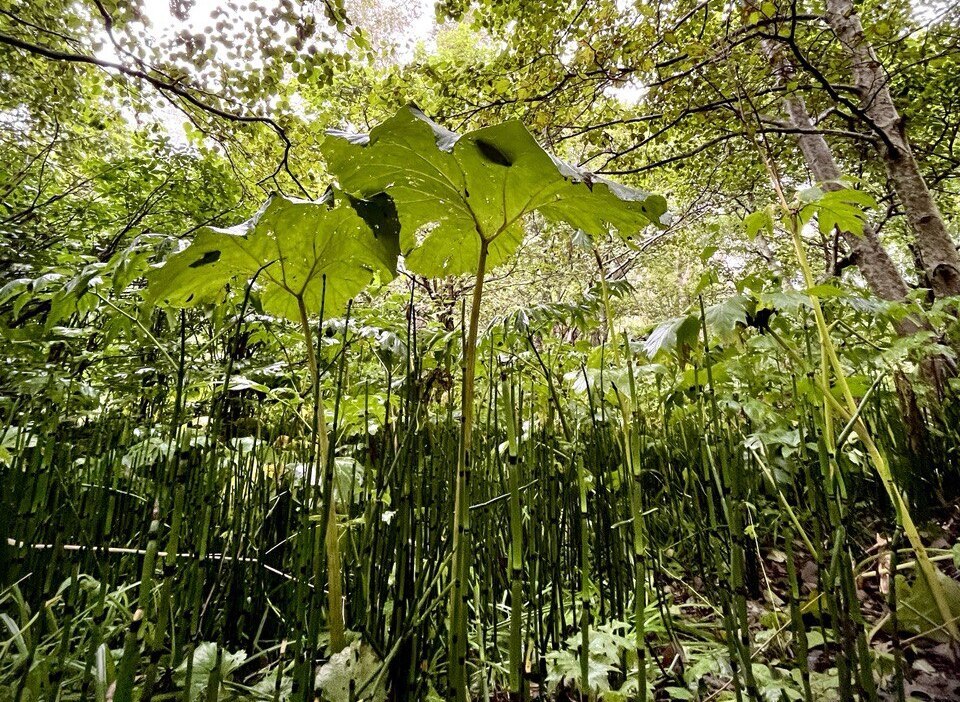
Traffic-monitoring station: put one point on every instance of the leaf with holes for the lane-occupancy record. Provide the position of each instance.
(327, 250)
(455, 192)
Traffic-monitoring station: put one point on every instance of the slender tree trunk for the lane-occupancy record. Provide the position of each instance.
(941, 261)
(868, 253)
(879, 270)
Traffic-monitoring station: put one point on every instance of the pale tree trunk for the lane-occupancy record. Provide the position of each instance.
(867, 252)
(869, 255)
(941, 261)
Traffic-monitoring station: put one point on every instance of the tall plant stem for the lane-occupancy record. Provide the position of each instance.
(627, 403)
(322, 445)
(586, 692)
(609, 331)
(849, 410)
(516, 541)
(632, 465)
(461, 506)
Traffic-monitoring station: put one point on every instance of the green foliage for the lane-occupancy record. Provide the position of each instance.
(673, 371)
(320, 254)
(917, 611)
(843, 209)
(454, 192)
(209, 660)
(761, 220)
(354, 670)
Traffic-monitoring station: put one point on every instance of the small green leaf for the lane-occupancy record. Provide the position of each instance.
(757, 221)
(917, 610)
(707, 278)
(582, 240)
(13, 288)
(724, 317)
(843, 209)
(811, 194)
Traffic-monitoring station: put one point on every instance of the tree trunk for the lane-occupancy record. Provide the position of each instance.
(941, 261)
(868, 253)
(870, 256)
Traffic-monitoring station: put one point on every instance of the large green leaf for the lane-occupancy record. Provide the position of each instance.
(204, 666)
(724, 317)
(917, 610)
(326, 250)
(455, 191)
(666, 336)
(348, 672)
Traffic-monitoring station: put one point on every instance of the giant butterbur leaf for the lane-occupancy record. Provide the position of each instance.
(327, 250)
(454, 192)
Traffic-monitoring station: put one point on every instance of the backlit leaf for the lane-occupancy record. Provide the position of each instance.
(314, 251)
(455, 191)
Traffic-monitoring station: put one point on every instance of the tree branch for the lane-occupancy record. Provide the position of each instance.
(166, 88)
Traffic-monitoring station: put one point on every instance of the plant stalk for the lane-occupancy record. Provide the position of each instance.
(321, 445)
(461, 507)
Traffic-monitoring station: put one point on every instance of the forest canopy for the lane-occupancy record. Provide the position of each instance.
(475, 349)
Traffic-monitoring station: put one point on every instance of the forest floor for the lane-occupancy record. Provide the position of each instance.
(930, 666)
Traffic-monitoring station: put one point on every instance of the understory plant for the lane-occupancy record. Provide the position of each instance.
(462, 201)
(308, 259)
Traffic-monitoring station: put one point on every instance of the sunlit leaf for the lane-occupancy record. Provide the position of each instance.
(670, 334)
(455, 191)
(843, 210)
(322, 252)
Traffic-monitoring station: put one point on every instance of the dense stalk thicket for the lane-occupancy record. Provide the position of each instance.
(156, 549)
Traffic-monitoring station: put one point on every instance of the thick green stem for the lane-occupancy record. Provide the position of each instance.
(632, 465)
(321, 444)
(877, 458)
(461, 508)
(609, 331)
(586, 693)
(126, 670)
